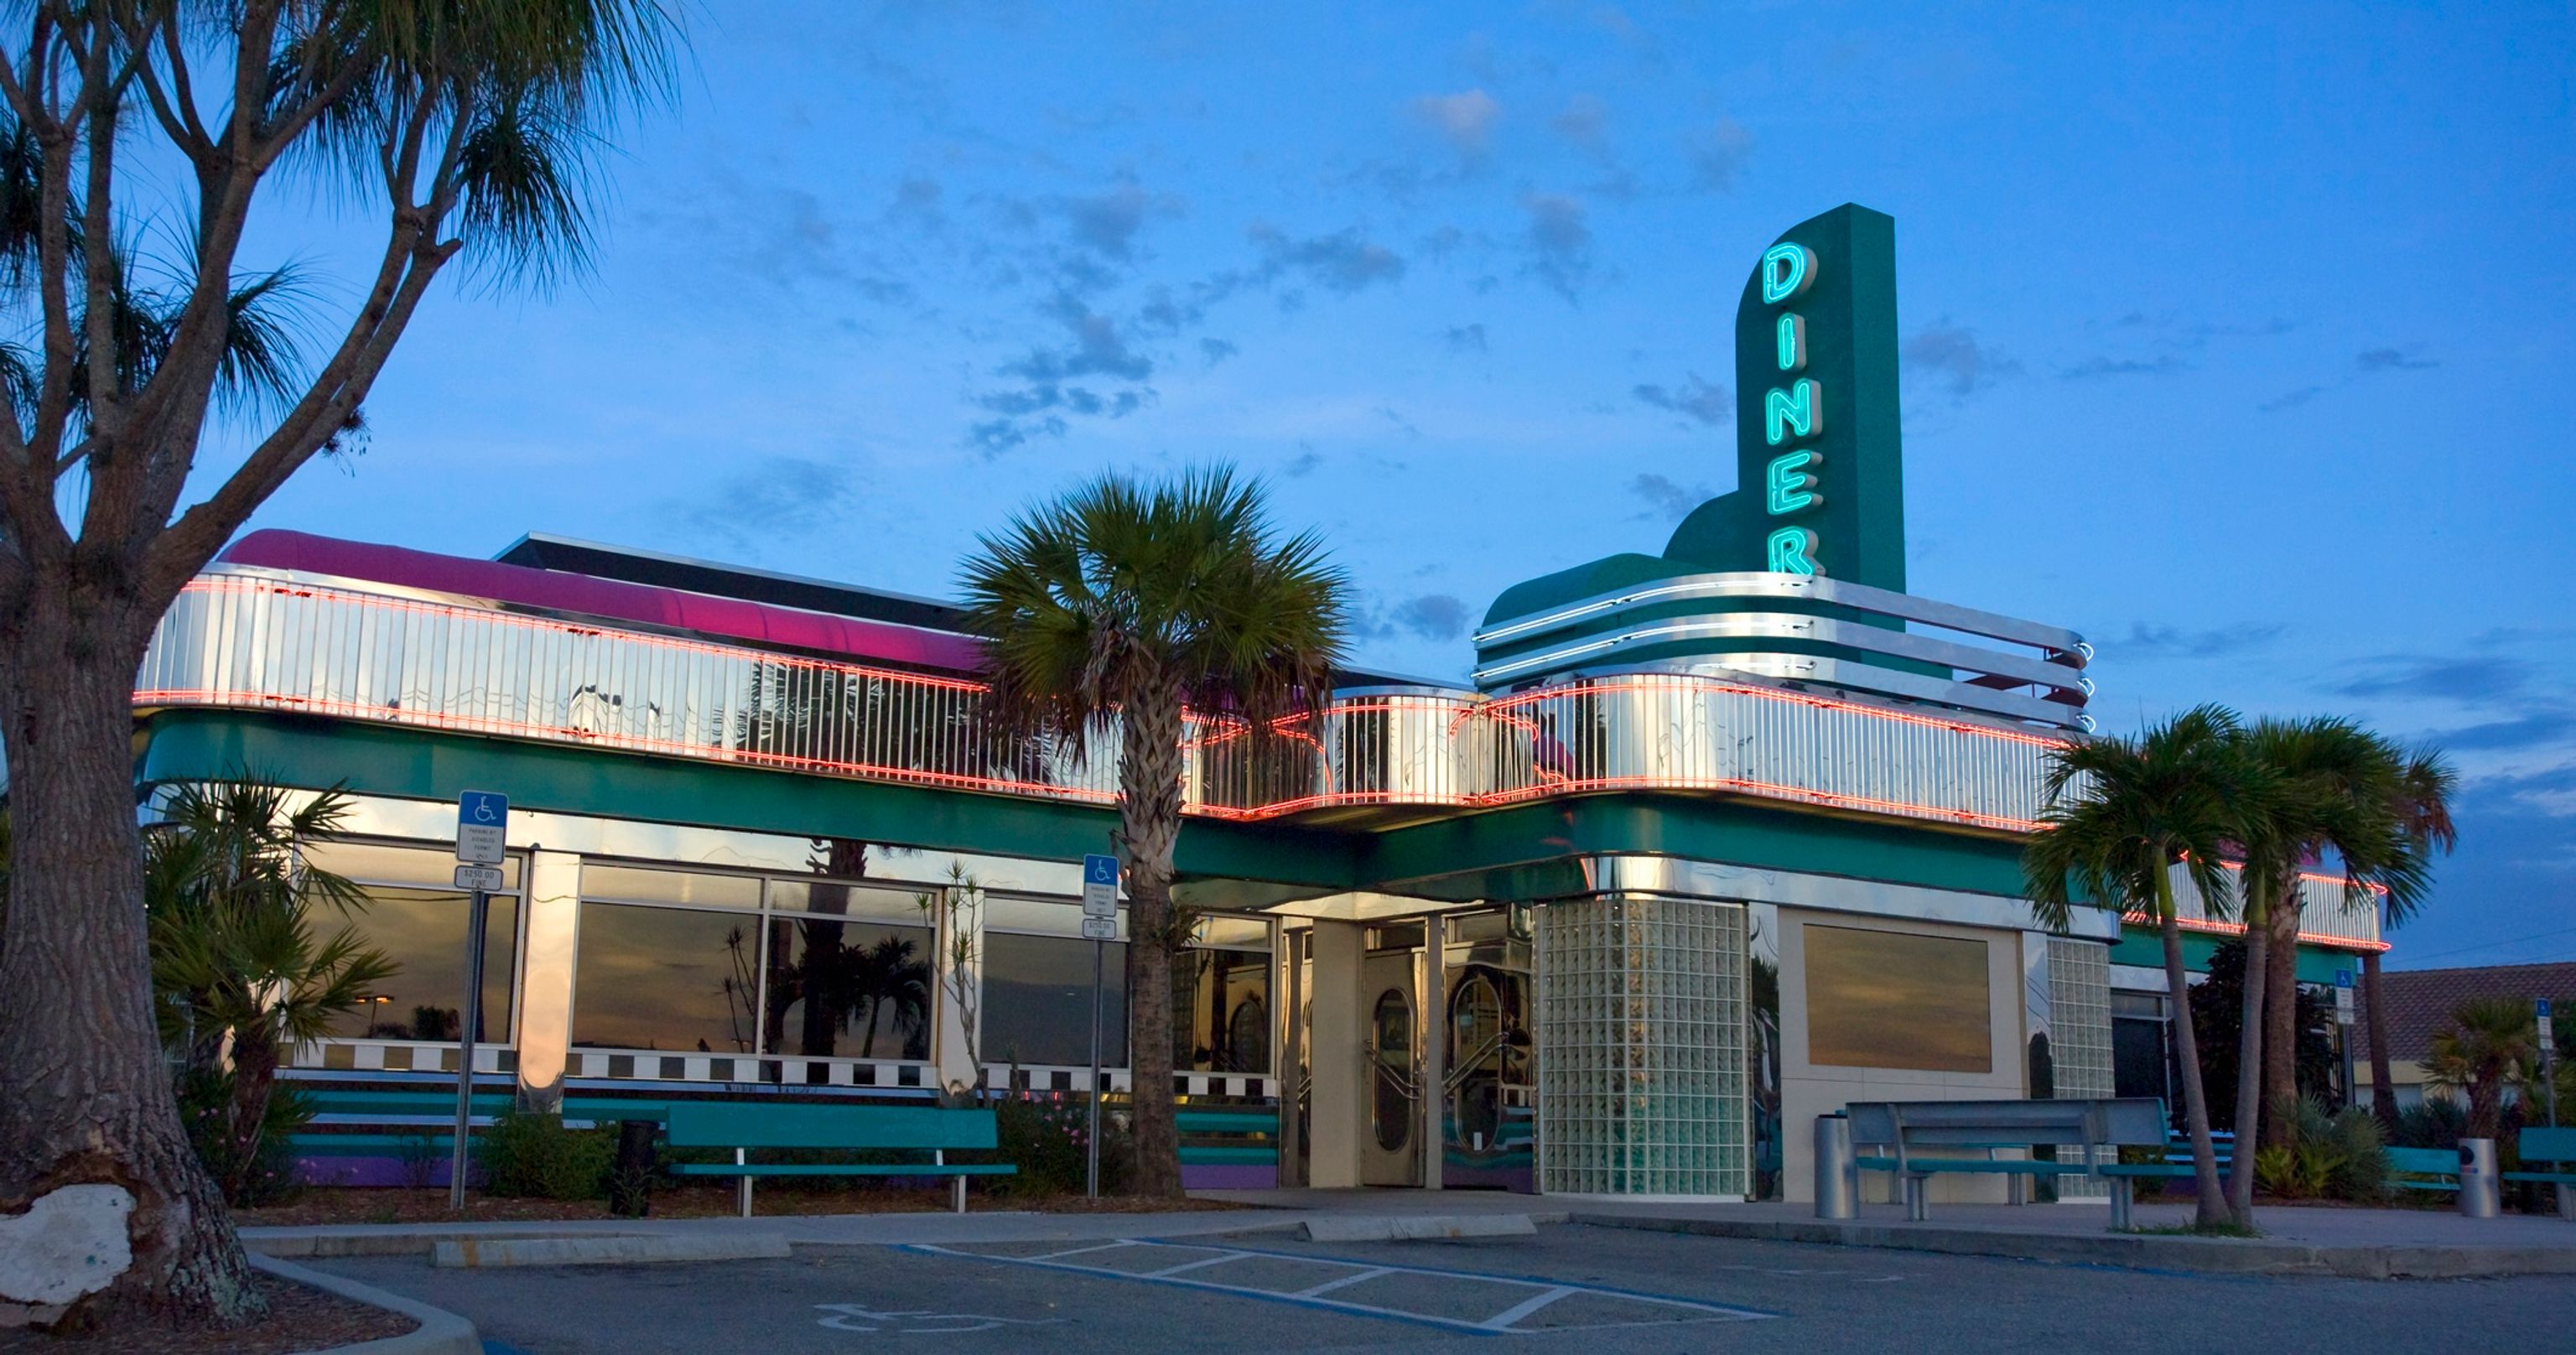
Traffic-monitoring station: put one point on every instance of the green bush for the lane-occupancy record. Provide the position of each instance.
(534, 1155)
(205, 1109)
(2334, 1154)
(2435, 1122)
(1043, 1136)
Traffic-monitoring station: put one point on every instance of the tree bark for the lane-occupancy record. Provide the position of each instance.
(2251, 1046)
(1149, 815)
(2212, 1198)
(84, 1094)
(2280, 1015)
(2383, 1094)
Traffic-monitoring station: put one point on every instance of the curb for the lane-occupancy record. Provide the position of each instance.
(440, 1332)
(629, 1249)
(312, 1245)
(2225, 1256)
(1417, 1227)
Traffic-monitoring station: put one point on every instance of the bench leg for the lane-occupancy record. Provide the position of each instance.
(2566, 1201)
(2120, 1204)
(960, 1183)
(1918, 1199)
(742, 1190)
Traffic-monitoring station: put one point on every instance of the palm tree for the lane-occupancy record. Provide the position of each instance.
(468, 130)
(2423, 803)
(2122, 816)
(2341, 794)
(2492, 1043)
(1121, 606)
(238, 968)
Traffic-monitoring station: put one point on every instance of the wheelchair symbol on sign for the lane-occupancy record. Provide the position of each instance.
(859, 1317)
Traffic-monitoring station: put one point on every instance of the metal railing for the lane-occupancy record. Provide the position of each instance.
(2324, 918)
(251, 639)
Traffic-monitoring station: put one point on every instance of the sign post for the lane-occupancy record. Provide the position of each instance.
(2343, 1033)
(1099, 925)
(482, 839)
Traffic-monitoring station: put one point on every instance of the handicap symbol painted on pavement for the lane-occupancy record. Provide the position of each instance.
(859, 1317)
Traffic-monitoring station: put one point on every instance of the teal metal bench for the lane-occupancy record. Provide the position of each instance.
(2407, 1167)
(2096, 1128)
(2549, 1145)
(919, 1129)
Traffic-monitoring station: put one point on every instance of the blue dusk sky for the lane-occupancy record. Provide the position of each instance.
(2240, 344)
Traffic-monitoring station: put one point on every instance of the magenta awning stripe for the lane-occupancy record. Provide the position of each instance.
(608, 599)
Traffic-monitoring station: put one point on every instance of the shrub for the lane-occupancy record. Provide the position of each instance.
(2361, 1172)
(206, 1108)
(2435, 1122)
(1043, 1136)
(534, 1155)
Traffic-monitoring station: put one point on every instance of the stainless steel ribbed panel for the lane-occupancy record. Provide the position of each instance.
(2323, 914)
(256, 643)
(255, 640)
(1642, 731)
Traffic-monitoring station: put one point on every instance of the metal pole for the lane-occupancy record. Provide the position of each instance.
(466, 1020)
(1091, 1140)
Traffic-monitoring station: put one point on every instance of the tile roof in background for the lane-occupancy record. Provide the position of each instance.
(2420, 1001)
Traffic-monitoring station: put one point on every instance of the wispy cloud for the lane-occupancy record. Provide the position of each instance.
(2163, 364)
(1560, 242)
(1465, 120)
(772, 499)
(1667, 498)
(1343, 261)
(1700, 401)
(1953, 354)
(2145, 641)
(1716, 155)
(1585, 122)
(1467, 338)
(2291, 399)
(1432, 616)
(2392, 360)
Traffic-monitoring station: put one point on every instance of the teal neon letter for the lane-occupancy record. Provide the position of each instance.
(1793, 551)
(1786, 271)
(1798, 411)
(1793, 342)
(1789, 485)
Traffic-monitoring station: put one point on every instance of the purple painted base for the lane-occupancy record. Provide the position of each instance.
(372, 1172)
(1229, 1176)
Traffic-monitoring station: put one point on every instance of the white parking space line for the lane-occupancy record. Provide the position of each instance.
(1329, 1286)
(1503, 1322)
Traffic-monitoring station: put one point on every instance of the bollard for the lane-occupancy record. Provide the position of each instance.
(1837, 1174)
(2481, 1190)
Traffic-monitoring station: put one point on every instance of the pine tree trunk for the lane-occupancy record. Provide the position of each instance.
(2280, 1016)
(84, 1094)
(2195, 1100)
(1149, 814)
(2383, 1094)
(2251, 1046)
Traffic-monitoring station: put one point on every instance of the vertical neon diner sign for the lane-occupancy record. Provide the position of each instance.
(1792, 413)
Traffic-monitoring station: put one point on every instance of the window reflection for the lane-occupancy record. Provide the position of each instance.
(853, 989)
(1221, 1011)
(423, 930)
(1037, 1001)
(1897, 1000)
(665, 978)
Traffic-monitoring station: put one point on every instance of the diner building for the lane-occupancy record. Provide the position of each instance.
(1714, 841)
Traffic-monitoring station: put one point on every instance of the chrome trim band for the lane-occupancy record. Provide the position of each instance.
(1818, 588)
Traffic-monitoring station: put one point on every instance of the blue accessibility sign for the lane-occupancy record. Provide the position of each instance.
(482, 827)
(1099, 870)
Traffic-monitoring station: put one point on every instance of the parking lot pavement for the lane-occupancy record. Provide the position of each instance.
(1600, 1291)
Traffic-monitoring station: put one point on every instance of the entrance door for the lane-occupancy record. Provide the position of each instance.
(1391, 1128)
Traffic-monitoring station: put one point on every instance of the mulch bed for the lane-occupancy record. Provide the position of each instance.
(299, 1319)
(330, 1205)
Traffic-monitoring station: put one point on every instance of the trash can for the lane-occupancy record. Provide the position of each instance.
(2481, 1189)
(1837, 1173)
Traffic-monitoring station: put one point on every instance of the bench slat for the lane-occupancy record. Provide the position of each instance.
(726, 1124)
(843, 1169)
